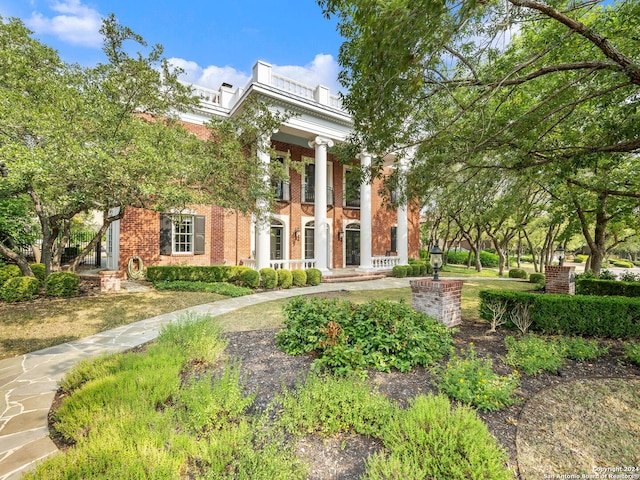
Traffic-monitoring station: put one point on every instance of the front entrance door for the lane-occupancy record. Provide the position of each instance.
(352, 246)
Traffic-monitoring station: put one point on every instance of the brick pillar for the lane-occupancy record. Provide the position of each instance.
(109, 281)
(438, 299)
(560, 279)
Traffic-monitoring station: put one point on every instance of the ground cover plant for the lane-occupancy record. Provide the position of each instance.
(153, 414)
(533, 354)
(182, 411)
(473, 381)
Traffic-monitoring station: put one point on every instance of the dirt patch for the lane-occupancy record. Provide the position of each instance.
(266, 369)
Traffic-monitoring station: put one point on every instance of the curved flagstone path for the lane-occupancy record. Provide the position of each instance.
(28, 383)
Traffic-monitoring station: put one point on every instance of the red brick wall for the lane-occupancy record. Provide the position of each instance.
(228, 234)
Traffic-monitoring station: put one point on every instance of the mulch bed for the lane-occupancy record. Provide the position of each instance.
(266, 369)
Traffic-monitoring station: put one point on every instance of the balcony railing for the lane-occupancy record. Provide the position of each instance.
(299, 264)
(384, 263)
(352, 202)
(309, 194)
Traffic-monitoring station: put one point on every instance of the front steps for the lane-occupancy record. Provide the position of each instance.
(353, 276)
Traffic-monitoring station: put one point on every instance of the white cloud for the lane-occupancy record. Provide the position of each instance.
(76, 23)
(323, 70)
(211, 76)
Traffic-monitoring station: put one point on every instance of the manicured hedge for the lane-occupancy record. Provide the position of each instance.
(62, 284)
(221, 288)
(536, 278)
(314, 276)
(20, 289)
(595, 286)
(285, 279)
(399, 271)
(487, 259)
(250, 278)
(9, 271)
(613, 317)
(39, 271)
(517, 273)
(298, 278)
(268, 278)
(210, 274)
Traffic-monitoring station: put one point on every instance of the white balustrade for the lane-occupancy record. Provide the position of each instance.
(291, 86)
(297, 264)
(385, 263)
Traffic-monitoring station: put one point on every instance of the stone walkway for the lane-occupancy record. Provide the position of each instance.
(28, 383)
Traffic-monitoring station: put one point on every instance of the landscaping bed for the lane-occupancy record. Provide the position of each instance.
(267, 369)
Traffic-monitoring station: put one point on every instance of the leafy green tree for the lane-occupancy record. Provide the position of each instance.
(550, 89)
(106, 138)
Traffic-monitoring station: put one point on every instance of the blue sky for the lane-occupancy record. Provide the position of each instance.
(215, 41)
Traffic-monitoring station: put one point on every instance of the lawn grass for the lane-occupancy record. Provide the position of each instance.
(31, 326)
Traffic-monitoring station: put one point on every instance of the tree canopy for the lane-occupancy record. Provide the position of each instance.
(549, 90)
(104, 138)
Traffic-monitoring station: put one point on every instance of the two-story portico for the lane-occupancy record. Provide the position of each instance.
(318, 221)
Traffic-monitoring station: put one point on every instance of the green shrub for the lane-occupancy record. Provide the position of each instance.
(537, 278)
(327, 405)
(632, 352)
(621, 263)
(607, 275)
(580, 258)
(62, 284)
(533, 354)
(314, 276)
(416, 270)
(208, 274)
(285, 279)
(268, 278)
(39, 271)
(250, 278)
(471, 380)
(629, 277)
(298, 278)
(433, 440)
(9, 271)
(399, 271)
(489, 260)
(20, 289)
(382, 335)
(573, 315)
(579, 349)
(596, 286)
(517, 273)
(221, 288)
(457, 258)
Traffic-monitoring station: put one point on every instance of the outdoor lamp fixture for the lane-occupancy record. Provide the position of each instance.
(340, 234)
(560, 254)
(435, 260)
(296, 234)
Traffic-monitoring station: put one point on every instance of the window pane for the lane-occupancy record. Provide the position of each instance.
(183, 234)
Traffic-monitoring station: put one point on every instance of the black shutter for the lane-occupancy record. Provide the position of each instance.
(198, 234)
(394, 239)
(165, 234)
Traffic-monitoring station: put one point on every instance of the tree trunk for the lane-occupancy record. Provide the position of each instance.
(19, 259)
(106, 221)
(597, 241)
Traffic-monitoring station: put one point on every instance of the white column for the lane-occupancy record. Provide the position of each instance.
(263, 217)
(366, 236)
(321, 235)
(403, 224)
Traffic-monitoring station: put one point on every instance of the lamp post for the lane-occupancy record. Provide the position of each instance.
(560, 254)
(435, 260)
